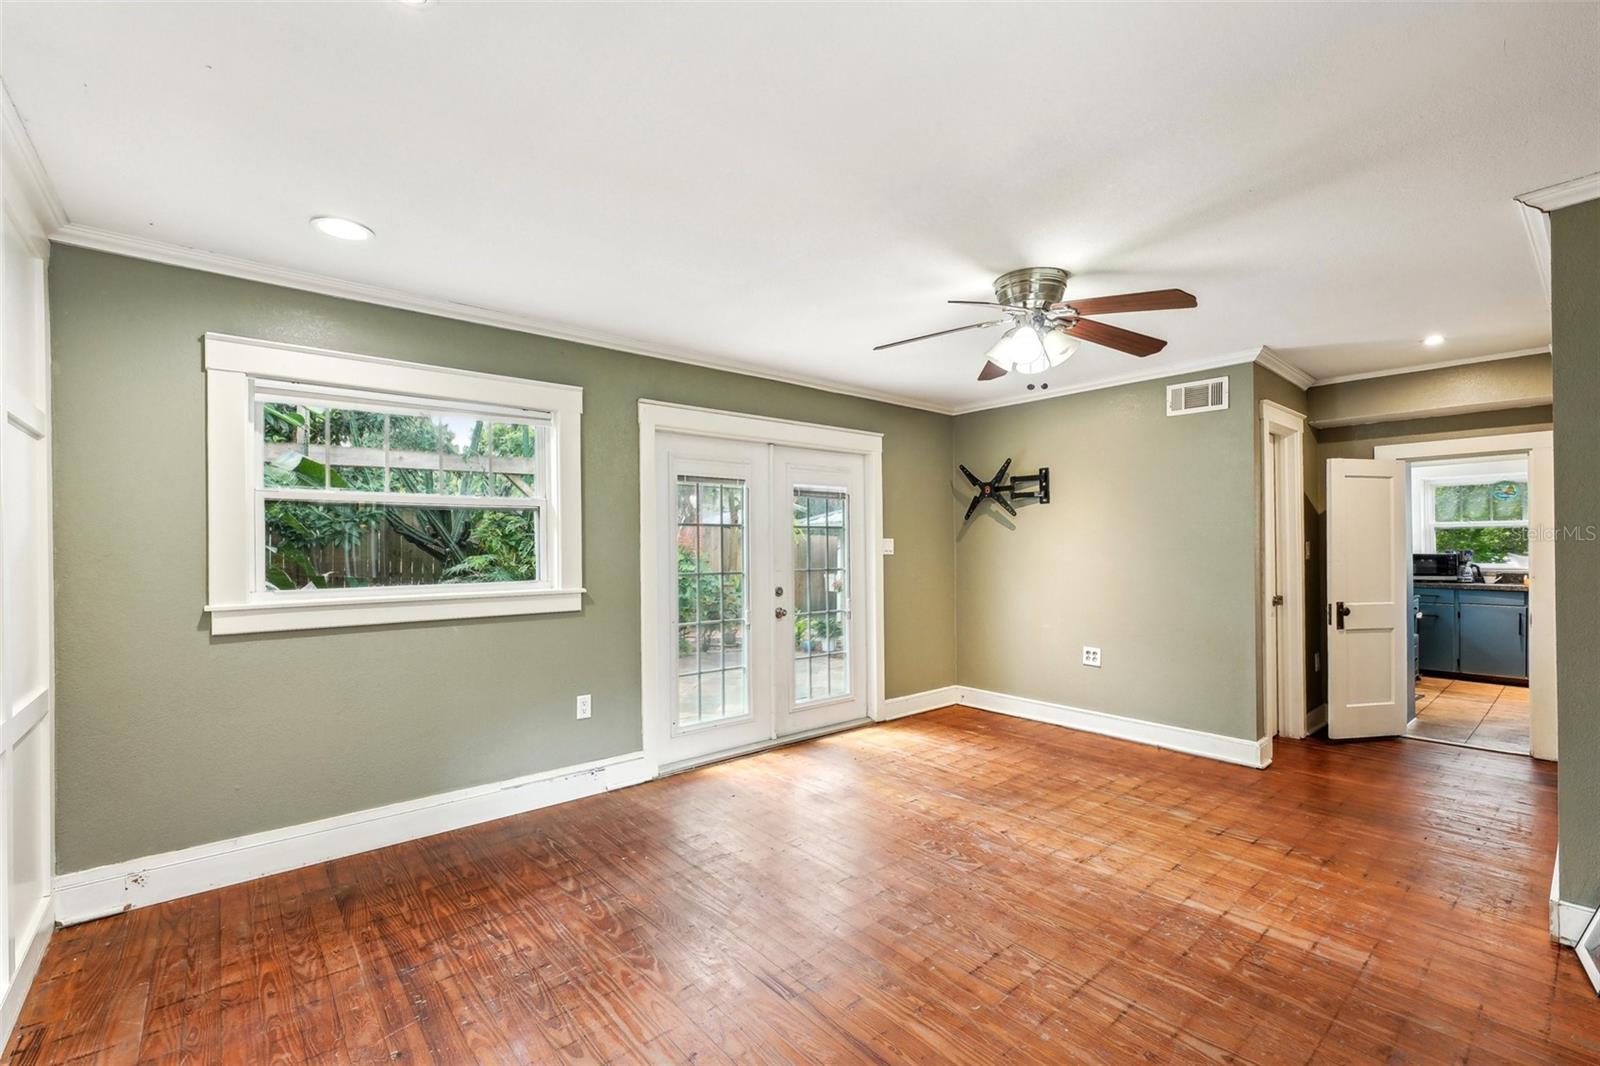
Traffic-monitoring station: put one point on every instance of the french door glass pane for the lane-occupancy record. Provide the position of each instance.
(821, 595)
(713, 602)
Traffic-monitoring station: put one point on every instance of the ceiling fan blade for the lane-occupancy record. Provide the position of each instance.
(939, 333)
(1123, 340)
(987, 303)
(1157, 300)
(991, 370)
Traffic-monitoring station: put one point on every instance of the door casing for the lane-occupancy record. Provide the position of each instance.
(657, 417)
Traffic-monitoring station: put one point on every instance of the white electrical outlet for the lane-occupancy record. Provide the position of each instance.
(1091, 656)
(888, 545)
(584, 706)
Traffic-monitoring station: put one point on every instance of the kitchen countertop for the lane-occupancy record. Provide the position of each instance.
(1448, 583)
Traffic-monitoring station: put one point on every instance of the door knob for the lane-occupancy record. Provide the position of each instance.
(780, 613)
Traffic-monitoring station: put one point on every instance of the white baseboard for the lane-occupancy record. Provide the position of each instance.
(1252, 753)
(1569, 921)
(27, 969)
(1316, 718)
(917, 702)
(120, 886)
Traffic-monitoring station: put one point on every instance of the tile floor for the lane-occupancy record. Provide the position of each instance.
(1472, 713)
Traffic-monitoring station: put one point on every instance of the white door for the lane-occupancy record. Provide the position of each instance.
(763, 544)
(1369, 683)
(818, 514)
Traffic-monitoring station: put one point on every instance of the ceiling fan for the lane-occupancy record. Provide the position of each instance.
(1045, 329)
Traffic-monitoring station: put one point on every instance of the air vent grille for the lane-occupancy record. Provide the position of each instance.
(1193, 397)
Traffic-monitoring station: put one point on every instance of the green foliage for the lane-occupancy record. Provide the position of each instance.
(1488, 544)
(508, 551)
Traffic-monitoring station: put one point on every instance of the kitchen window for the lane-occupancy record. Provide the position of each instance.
(347, 490)
(1487, 517)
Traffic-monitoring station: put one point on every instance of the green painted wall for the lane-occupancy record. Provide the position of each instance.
(1575, 277)
(1358, 442)
(1143, 551)
(1452, 390)
(168, 737)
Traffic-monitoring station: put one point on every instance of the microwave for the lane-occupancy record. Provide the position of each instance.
(1437, 564)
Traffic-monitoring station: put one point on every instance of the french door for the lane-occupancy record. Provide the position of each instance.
(761, 642)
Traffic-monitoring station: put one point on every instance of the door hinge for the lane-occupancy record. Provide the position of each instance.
(1277, 601)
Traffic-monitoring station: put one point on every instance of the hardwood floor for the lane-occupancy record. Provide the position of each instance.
(957, 886)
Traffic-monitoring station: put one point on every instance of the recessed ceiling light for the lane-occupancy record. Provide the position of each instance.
(1433, 340)
(342, 228)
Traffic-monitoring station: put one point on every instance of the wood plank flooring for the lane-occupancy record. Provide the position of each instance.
(953, 887)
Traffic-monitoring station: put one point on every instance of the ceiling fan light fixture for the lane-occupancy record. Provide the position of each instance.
(1021, 350)
(1059, 346)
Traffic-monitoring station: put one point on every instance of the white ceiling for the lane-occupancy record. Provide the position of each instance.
(781, 187)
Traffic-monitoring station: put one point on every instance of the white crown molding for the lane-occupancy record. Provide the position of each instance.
(1537, 226)
(1153, 373)
(30, 198)
(103, 240)
(1543, 349)
(1564, 194)
(1284, 369)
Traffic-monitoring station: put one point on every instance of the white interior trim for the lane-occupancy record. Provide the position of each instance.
(119, 886)
(1148, 373)
(1539, 446)
(103, 240)
(1494, 357)
(1283, 493)
(1563, 194)
(918, 702)
(27, 968)
(1253, 753)
(657, 417)
(1445, 411)
(1537, 225)
(1284, 369)
(30, 199)
(235, 601)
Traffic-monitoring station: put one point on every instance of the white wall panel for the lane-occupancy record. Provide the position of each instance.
(27, 687)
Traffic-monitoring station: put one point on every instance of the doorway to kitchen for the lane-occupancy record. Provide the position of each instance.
(1441, 613)
(1470, 527)
(760, 605)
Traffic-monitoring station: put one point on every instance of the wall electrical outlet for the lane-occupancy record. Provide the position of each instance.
(1091, 656)
(584, 706)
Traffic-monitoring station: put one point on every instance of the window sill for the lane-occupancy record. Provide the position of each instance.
(267, 617)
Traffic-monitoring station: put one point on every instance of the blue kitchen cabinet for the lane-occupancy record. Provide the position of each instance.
(1436, 631)
(1493, 633)
(1475, 631)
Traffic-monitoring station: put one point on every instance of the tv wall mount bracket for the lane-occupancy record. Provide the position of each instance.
(997, 488)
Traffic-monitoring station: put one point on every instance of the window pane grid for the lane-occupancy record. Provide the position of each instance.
(713, 605)
(822, 595)
(1489, 518)
(358, 497)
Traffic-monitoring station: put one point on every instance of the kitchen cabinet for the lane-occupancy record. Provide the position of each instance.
(1493, 633)
(1436, 632)
(1479, 631)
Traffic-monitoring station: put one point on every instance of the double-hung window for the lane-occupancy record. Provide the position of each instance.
(346, 490)
(1480, 514)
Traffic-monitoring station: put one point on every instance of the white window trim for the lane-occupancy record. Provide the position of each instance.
(233, 364)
